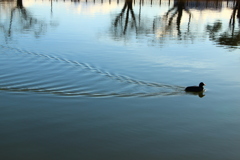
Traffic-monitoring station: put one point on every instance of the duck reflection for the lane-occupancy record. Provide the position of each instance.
(199, 94)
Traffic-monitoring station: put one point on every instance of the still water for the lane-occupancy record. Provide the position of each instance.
(105, 79)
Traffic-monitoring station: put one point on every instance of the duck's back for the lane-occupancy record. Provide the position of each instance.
(194, 89)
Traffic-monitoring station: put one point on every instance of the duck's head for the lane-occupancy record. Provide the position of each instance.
(202, 84)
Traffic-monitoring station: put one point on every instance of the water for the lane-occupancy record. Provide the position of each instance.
(105, 80)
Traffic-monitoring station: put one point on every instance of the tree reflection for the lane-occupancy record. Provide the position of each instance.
(177, 10)
(230, 37)
(125, 20)
(21, 20)
(227, 38)
(171, 23)
(214, 29)
(235, 13)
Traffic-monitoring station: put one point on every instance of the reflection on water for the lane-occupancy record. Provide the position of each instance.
(229, 37)
(131, 21)
(200, 94)
(16, 18)
(104, 79)
(170, 23)
(176, 22)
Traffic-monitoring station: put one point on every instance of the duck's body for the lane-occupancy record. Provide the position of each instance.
(195, 88)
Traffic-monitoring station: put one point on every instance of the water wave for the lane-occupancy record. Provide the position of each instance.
(23, 71)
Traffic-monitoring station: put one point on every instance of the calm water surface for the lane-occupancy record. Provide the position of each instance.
(97, 80)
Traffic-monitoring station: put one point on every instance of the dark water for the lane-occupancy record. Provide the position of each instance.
(105, 80)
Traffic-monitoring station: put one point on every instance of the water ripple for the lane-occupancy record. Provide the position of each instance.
(22, 71)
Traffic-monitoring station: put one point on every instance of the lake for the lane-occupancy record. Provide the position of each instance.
(105, 79)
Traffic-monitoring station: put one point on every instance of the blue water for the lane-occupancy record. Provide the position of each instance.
(81, 80)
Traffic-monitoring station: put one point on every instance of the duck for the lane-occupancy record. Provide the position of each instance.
(195, 88)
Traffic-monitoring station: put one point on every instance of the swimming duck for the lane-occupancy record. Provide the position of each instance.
(195, 88)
